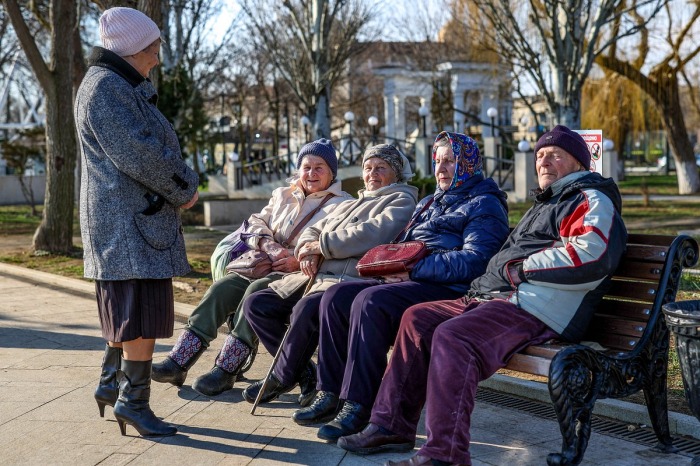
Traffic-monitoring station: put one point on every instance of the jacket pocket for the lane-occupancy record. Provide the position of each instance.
(160, 229)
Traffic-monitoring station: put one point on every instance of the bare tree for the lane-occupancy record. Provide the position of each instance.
(309, 43)
(55, 76)
(663, 79)
(553, 43)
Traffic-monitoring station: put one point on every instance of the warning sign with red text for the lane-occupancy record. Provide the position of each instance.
(594, 139)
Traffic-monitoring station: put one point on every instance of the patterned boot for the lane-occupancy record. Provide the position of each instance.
(225, 371)
(183, 356)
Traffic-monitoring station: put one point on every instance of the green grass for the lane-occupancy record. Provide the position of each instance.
(17, 220)
(655, 184)
(690, 284)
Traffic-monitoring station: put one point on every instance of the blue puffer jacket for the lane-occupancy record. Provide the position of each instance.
(463, 228)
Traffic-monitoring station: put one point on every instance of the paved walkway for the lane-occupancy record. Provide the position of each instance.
(50, 353)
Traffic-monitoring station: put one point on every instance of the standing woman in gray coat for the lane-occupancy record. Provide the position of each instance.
(134, 182)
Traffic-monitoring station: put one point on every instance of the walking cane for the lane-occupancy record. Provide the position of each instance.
(284, 340)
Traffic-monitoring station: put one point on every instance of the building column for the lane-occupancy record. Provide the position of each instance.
(400, 119)
(426, 102)
(389, 118)
(458, 118)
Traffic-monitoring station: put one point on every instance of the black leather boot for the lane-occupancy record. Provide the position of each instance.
(228, 363)
(107, 390)
(324, 408)
(215, 382)
(173, 369)
(351, 419)
(273, 390)
(307, 385)
(132, 406)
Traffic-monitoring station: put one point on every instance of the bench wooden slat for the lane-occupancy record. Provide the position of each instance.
(617, 342)
(648, 253)
(659, 240)
(544, 351)
(529, 364)
(640, 291)
(610, 327)
(639, 270)
(625, 309)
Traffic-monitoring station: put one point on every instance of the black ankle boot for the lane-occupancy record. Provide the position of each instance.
(107, 390)
(307, 385)
(215, 382)
(273, 390)
(324, 408)
(223, 375)
(132, 406)
(169, 371)
(351, 419)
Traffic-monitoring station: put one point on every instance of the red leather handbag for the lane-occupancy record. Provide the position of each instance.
(392, 258)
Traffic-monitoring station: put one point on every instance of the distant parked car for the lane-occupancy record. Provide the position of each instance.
(661, 162)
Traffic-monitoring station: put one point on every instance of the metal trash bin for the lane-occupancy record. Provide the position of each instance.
(683, 319)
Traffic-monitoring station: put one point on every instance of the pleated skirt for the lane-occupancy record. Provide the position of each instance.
(129, 309)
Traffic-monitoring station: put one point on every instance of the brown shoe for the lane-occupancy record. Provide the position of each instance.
(375, 439)
(416, 460)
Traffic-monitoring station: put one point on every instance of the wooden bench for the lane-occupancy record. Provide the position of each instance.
(630, 326)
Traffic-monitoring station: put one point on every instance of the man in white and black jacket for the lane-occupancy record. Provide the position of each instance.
(544, 283)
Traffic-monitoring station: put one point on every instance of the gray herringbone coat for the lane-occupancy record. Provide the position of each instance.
(129, 152)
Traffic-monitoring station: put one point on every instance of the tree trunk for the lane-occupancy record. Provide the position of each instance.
(568, 104)
(55, 232)
(322, 125)
(667, 99)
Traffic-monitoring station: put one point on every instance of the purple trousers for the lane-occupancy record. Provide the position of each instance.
(358, 323)
(442, 351)
(268, 314)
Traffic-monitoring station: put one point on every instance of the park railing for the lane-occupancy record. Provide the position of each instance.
(257, 172)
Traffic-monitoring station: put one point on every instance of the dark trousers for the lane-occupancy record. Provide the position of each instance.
(268, 314)
(358, 325)
(442, 351)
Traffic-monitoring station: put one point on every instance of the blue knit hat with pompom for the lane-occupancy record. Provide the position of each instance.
(321, 148)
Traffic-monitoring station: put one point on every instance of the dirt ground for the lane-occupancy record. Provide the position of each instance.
(16, 249)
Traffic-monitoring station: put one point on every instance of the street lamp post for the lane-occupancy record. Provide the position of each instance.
(289, 145)
(373, 121)
(423, 113)
(305, 122)
(349, 118)
(492, 113)
(225, 125)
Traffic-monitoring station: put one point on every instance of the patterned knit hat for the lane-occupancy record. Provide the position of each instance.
(392, 156)
(570, 141)
(321, 148)
(467, 157)
(126, 31)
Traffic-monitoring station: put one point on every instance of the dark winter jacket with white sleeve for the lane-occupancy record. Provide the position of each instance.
(557, 262)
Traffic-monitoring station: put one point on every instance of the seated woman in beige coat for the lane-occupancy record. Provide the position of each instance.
(328, 251)
(313, 187)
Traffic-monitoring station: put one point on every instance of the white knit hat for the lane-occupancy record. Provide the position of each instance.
(126, 31)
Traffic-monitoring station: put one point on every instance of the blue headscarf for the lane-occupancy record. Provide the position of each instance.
(467, 158)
